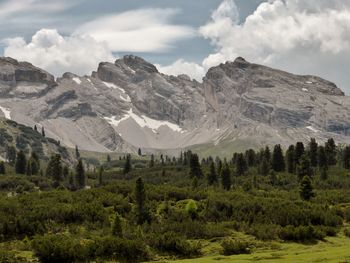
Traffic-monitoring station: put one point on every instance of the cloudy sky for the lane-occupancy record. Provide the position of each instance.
(304, 37)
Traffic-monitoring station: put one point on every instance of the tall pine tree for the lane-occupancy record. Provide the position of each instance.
(290, 156)
(226, 177)
(306, 189)
(313, 152)
(331, 152)
(278, 163)
(80, 175)
(212, 176)
(195, 167)
(142, 214)
(127, 165)
(21, 163)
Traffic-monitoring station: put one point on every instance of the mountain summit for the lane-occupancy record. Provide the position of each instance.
(130, 104)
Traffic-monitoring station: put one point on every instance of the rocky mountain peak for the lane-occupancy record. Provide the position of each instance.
(138, 64)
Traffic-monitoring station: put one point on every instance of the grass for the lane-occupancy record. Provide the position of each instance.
(334, 249)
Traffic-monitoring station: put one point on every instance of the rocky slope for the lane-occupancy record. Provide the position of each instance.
(129, 104)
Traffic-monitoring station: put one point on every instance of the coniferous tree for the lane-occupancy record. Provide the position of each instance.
(267, 154)
(117, 229)
(100, 175)
(140, 197)
(11, 154)
(331, 152)
(108, 158)
(290, 158)
(29, 168)
(304, 167)
(195, 167)
(250, 157)
(43, 131)
(54, 169)
(278, 163)
(127, 165)
(313, 152)
(219, 166)
(241, 166)
(306, 189)
(77, 153)
(212, 176)
(264, 167)
(65, 172)
(226, 177)
(322, 157)
(80, 175)
(2, 168)
(35, 128)
(346, 157)
(21, 163)
(299, 151)
(139, 152)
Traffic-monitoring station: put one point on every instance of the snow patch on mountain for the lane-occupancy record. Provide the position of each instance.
(77, 80)
(143, 121)
(6, 112)
(312, 129)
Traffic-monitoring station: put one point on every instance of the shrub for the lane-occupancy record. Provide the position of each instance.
(173, 243)
(347, 232)
(301, 233)
(235, 247)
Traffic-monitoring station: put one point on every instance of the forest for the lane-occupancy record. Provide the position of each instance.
(153, 207)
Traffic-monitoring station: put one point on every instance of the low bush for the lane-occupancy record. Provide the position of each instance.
(235, 247)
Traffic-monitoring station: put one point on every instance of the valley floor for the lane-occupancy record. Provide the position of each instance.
(333, 249)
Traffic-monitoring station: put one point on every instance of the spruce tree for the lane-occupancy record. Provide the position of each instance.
(212, 176)
(11, 154)
(108, 158)
(346, 157)
(241, 165)
(100, 176)
(322, 157)
(195, 167)
(139, 152)
(306, 189)
(264, 167)
(43, 131)
(2, 168)
(219, 166)
(140, 197)
(127, 164)
(65, 172)
(80, 175)
(304, 167)
(250, 157)
(77, 153)
(290, 156)
(278, 163)
(54, 169)
(313, 152)
(35, 128)
(331, 152)
(21, 163)
(117, 229)
(226, 177)
(299, 151)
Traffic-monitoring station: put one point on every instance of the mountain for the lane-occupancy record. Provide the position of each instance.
(130, 104)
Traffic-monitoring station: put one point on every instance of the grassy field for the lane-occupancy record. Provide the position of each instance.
(333, 249)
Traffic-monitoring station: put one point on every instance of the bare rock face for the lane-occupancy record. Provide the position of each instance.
(130, 104)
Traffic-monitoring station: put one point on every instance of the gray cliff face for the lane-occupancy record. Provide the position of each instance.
(130, 104)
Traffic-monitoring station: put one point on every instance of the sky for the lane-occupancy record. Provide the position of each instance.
(304, 37)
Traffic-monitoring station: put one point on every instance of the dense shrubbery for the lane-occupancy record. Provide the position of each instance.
(64, 248)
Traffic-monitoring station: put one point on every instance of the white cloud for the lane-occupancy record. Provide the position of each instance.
(306, 37)
(182, 67)
(12, 7)
(144, 30)
(57, 54)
